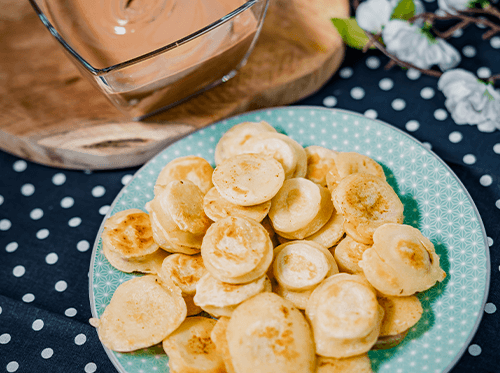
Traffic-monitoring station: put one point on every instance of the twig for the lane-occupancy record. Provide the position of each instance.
(465, 21)
(494, 78)
(396, 60)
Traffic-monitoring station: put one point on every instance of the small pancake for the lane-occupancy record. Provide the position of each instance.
(298, 266)
(319, 221)
(220, 299)
(401, 262)
(192, 168)
(130, 320)
(218, 336)
(348, 253)
(217, 208)
(237, 250)
(184, 202)
(295, 206)
(184, 270)
(356, 364)
(266, 334)
(167, 233)
(275, 145)
(128, 233)
(344, 307)
(190, 348)
(367, 202)
(400, 314)
(349, 163)
(150, 263)
(233, 139)
(319, 161)
(248, 179)
(345, 316)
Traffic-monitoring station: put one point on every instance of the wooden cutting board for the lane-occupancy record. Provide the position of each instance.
(51, 115)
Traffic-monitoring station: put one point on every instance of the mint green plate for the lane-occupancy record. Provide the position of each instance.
(435, 201)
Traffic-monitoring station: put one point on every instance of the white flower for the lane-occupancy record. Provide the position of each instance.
(410, 44)
(470, 101)
(373, 15)
(451, 6)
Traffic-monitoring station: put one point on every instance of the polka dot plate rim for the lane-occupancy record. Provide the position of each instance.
(435, 201)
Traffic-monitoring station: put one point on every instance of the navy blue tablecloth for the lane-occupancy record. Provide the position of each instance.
(49, 217)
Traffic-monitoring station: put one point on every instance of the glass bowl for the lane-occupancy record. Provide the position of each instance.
(149, 55)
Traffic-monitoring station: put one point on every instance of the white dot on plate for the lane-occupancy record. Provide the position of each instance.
(51, 258)
(27, 190)
(90, 368)
(126, 179)
(455, 137)
(440, 114)
(5, 338)
(427, 145)
(70, 312)
(42, 234)
(61, 286)
(47, 353)
(59, 179)
(495, 42)
(98, 191)
(469, 51)
(104, 209)
(80, 339)
(1, 199)
(19, 271)
(75, 222)
(398, 104)
(469, 159)
(20, 166)
(412, 125)
(357, 93)
(11, 247)
(28, 298)
(373, 62)
(67, 202)
(37, 325)
(474, 350)
(330, 101)
(5, 224)
(370, 113)
(458, 33)
(427, 93)
(36, 214)
(486, 180)
(346, 72)
(83, 246)
(490, 308)
(12, 367)
(496, 148)
(386, 84)
(497, 204)
(413, 74)
(483, 73)
(490, 241)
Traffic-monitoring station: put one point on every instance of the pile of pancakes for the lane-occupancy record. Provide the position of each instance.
(281, 259)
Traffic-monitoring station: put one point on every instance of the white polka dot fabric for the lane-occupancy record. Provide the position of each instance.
(49, 220)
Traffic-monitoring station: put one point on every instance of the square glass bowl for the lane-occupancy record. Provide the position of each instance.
(149, 55)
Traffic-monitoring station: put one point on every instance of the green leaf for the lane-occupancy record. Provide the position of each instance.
(351, 33)
(404, 10)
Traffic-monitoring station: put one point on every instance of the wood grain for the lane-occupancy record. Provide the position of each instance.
(49, 114)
